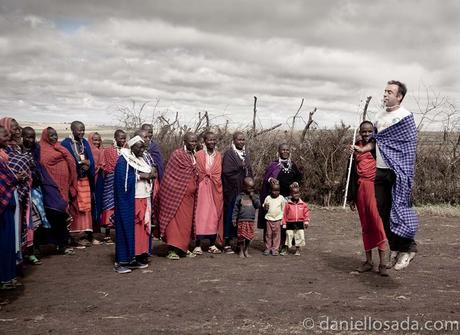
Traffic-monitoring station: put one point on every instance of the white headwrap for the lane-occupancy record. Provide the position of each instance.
(138, 163)
(134, 140)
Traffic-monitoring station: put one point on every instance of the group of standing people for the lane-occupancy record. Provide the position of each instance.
(63, 192)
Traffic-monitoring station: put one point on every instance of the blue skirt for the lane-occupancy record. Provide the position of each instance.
(8, 243)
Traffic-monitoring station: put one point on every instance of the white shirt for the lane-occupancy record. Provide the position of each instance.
(143, 188)
(383, 120)
(276, 207)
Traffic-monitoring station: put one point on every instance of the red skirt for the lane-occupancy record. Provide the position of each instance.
(179, 231)
(142, 226)
(245, 230)
(371, 223)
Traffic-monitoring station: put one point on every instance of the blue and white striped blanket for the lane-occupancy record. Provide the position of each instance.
(397, 144)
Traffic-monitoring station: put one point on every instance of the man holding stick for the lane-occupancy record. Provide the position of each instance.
(395, 144)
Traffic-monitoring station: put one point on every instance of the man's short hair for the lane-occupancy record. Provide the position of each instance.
(26, 129)
(206, 134)
(402, 89)
(236, 134)
(75, 124)
(118, 132)
(366, 122)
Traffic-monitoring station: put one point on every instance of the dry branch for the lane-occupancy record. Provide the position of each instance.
(268, 130)
(309, 123)
(293, 121)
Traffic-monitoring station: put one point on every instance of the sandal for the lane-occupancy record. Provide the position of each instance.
(190, 254)
(16, 283)
(365, 267)
(228, 250)
(69, 251)
(32, 259)
(7, 286)
(197, 251)
(96, 242)
(214, 250)
(84, 243)
(173, 256)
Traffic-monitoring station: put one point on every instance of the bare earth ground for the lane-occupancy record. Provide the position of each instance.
(223, 294)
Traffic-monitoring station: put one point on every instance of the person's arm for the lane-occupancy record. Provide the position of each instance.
(285, 212)
(306, 213)
(368, 147)
(255, 201)
(236, 210)
(266, 206)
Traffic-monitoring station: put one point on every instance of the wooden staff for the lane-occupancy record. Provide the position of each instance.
(351, 156)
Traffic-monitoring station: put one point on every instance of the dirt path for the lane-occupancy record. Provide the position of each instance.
(223, 294)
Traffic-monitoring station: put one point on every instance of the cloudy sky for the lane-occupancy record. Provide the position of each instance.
(65, 60)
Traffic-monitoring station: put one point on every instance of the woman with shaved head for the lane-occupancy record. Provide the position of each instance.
(177, 199)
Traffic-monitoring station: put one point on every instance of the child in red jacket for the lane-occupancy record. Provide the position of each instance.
(296, 217)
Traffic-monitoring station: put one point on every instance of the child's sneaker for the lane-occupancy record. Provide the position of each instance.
(266, 252)
(275, 253)
(297, 252)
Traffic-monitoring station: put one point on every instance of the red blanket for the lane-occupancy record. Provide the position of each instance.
(179, 170)
(215, 175)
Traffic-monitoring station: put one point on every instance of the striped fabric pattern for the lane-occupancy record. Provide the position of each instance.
(397, 145)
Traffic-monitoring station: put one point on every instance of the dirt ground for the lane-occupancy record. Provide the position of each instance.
(223, 294)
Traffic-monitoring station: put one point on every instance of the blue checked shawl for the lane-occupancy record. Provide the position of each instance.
(397, 144)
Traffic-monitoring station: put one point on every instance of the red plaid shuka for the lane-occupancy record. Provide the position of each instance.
(7, 184)
(110, 158)
(179, 170)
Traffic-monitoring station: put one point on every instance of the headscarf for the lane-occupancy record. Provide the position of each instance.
(49, 151)
(138, 163)
(6, 123)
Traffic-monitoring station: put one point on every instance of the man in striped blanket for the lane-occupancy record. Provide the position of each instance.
(395, 144)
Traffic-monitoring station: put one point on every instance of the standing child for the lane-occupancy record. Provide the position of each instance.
(296, 217)
(274, 205)
(244, 214)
